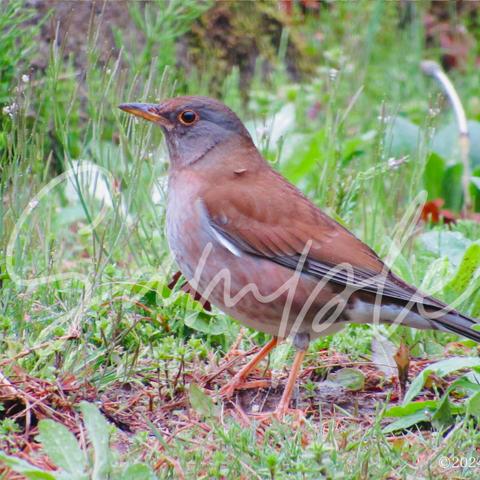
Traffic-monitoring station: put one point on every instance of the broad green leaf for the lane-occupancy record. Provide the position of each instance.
(476, 181)
(452, 187)
(350, 378)
(468, 267)
(306, 158)
(433, 176)
(473, 405)
(62, 447)
(437, 274)
(98, 430)
(138, 471)
(404, 137)
(201, 402)
(441, 368)
(446, 244)
(475, 311)
(29, 471)
(352, 148)
(445, 142)
(466, 383)
(412, 407)
(401, 265)
(443, 416)
(408, 421)
(206, 323)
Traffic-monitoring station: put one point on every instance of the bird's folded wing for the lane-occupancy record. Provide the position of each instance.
(292, 232)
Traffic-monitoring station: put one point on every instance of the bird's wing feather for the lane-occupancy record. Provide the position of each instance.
(269, 218)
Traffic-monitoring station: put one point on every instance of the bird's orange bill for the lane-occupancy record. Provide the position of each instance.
(147, 111)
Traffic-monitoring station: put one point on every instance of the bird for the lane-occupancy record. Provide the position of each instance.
(253, 245)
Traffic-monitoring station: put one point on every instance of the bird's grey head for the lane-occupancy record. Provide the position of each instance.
(192, 125)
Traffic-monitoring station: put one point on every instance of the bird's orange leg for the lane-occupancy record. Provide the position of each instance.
(282, 407)
(228, 389)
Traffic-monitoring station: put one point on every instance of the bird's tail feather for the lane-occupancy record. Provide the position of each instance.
(459, 324)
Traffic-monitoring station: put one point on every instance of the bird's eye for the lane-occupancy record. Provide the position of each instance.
(187, 117)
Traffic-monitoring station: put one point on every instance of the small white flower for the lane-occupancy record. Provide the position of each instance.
(9, 109)
(394, 163)
(33, 203)
(25, 78)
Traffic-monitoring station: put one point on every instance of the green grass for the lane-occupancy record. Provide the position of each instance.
(95, 304)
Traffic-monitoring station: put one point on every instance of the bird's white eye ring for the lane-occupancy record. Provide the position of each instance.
(188, 117)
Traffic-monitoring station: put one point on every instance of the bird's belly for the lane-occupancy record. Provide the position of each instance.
(273, 299)
(257, 292)
(187, 241)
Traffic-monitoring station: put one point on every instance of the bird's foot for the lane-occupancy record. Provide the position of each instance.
(280, 414)
(229, 388)
(297, 414)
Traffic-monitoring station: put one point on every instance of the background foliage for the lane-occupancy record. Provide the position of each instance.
(335, 98)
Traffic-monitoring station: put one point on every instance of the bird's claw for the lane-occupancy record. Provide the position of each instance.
(228, 389)
(280, 414)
